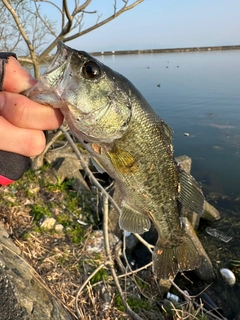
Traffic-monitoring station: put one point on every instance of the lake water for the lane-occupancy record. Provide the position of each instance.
(199, 94)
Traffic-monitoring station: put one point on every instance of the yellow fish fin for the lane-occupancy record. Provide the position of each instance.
(122, 160)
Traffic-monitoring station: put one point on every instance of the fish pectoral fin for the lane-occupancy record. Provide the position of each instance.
(122, 160)
(133, 221)
(190, 194)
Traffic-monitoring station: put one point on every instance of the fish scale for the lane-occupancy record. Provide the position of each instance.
(126, 138)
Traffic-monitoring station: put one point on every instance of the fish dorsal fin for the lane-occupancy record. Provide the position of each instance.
(122, 160)
(190, 194)
(133, 221)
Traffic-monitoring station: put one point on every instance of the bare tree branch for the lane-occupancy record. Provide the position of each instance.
(65, 7)
(97, 25)
(24, 35)
(23, 16)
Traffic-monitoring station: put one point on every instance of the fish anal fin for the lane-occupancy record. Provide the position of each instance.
(190, 193)
(133, 221)
(122, 160)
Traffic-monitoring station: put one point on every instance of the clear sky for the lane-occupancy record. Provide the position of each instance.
(163, 24)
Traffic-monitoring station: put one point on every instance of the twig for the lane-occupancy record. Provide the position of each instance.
(111, 265)
(117, 254)
(106, 199)
(124, 251)
(195, 303)
(180, 291)
(83, 285)
(127, 273)
(117, 13)
(97, 184)
(88, 171)
(149, 246)
(135, 271)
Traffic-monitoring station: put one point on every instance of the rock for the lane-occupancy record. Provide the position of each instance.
(194, 218)
(48, 223)
(59, 228)
(228, 276)
(96, 242)
(23, 297)
(204, 271)
(131, 243)
(210, 213)
(185, 162)
(68, 168)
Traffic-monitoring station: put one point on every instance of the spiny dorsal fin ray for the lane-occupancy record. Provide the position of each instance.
(190, 194)
(133, 221)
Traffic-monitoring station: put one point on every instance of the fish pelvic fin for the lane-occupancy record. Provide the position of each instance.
(190, 193)
(133, 221)
(168, 261)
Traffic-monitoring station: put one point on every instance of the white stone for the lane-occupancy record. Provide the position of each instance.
(48, 223)
(59, 227)
(228, 276)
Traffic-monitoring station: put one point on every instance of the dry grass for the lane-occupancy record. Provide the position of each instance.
(61, 263)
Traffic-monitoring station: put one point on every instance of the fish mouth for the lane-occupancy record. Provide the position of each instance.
(59, 72)
(61, 57)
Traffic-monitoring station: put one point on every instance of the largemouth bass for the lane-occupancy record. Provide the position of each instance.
(126, 138)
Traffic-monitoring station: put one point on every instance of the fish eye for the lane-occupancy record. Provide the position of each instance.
(91, 70)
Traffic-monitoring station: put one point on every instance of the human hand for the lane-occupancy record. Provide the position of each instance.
(22, 121)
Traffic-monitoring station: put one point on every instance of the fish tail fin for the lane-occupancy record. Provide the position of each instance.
(169, 260)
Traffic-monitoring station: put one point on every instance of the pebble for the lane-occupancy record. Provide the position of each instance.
(96, 242)
(228, 276)
(48, 223)
(59, 227)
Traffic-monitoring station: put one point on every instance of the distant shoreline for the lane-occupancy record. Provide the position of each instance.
(144, 51)
(168, 50)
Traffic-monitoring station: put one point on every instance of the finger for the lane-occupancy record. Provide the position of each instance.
(25, 113)
(16, 78)
(18, 140)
